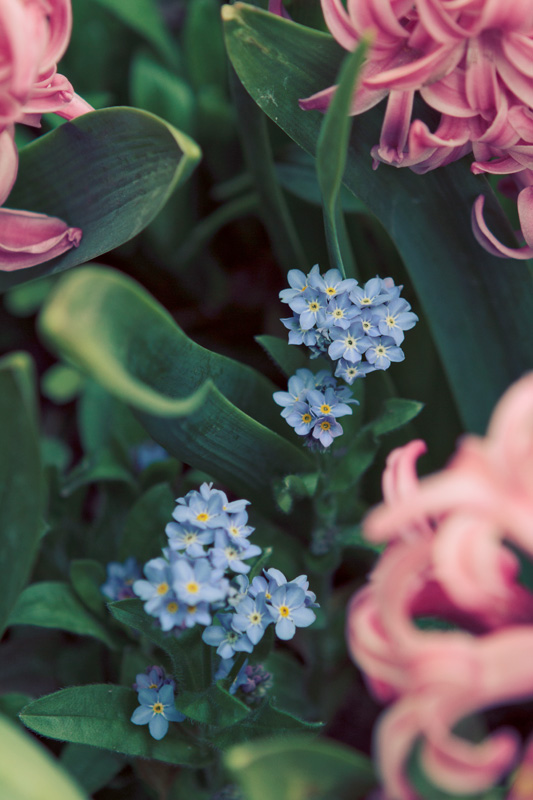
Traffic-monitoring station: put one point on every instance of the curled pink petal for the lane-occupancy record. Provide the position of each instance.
(27, 239)
(489, 242)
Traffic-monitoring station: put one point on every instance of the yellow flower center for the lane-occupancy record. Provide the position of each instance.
(306, 417)
(391, 321)
(189, 538)
(380, 350)
(325, 425)
(255, 617)
(284, 611)
(203, 516)
(230, 553)
(325, 409)
(234, 531)
(157, 708)
(162, 588)
(192, 587)
(313, 306)
(366, 301)
(331, 291)
(172, 608)
(366, 325)
(349, 342)
(339, 313)
(153, 686)
(268, 596)
(192, 609)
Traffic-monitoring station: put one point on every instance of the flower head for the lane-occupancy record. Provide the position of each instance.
(157, 709)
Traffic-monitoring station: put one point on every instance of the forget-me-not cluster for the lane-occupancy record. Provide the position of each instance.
(360, 328)
(313, 404)
(201, 579)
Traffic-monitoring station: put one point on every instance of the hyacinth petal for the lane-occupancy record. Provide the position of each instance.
(60, 27)
(339, 24)
(395, 127)
(416, 73)
(489, 242)
(27, 239)
(400, 476)
(438, 22)
(276, 7)
(518, 49)
(8, 163)
(448, 96)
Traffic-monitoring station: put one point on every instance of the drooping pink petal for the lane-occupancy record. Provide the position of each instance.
(277, 7)
(489, 242)
(8, 162)
(395, 129)
(27, 239)
(339, 24)
(420, 71)
(400, 477)
(448, 95)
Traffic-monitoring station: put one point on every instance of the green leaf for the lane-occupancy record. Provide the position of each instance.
(91, 767)
(144, 17)
(61, 384)
(205, 409)
(144, 529)
(297, 174)
(205, 55)
(287, 356)
(20, 479)
(97, 467)
(264, 721)
(123, 165)
(28, 771)
(87, 577)
(331, 151)
(427, 216)
(300, 769)
(12, 702)
(214, 706)
(51, 604)
(185, 651)
(159, 91)
(395, 413)
(99, 715)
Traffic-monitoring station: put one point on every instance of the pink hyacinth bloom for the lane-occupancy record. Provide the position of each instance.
(471, 62)
(448, 558)
(34, 35)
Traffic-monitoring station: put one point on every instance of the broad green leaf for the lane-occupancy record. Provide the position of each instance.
(20, 479)
(90, 766)
(264, 721)
(185, 651)
(464, 291)
(300, 769)
(99, 715)
(203, 41)
(160, 91)
(214, 706)
(52, 604)
(122, 166)
(144, 529)
(28, 771)
(205, 409)
(395, 413)
(61, 384)
(87, 577)
(296, 171)
(331, 150)
(287, 356)
(144, 17)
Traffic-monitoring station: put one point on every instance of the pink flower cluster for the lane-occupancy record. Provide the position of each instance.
(34, 35)
(453, 539)
(469, 60)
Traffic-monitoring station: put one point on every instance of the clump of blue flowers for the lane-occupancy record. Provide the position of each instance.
(155, 693)
(313, 404)
(201, 579)
(120, 579)
(360, 328)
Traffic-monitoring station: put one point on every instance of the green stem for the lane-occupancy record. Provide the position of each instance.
(277, 219)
